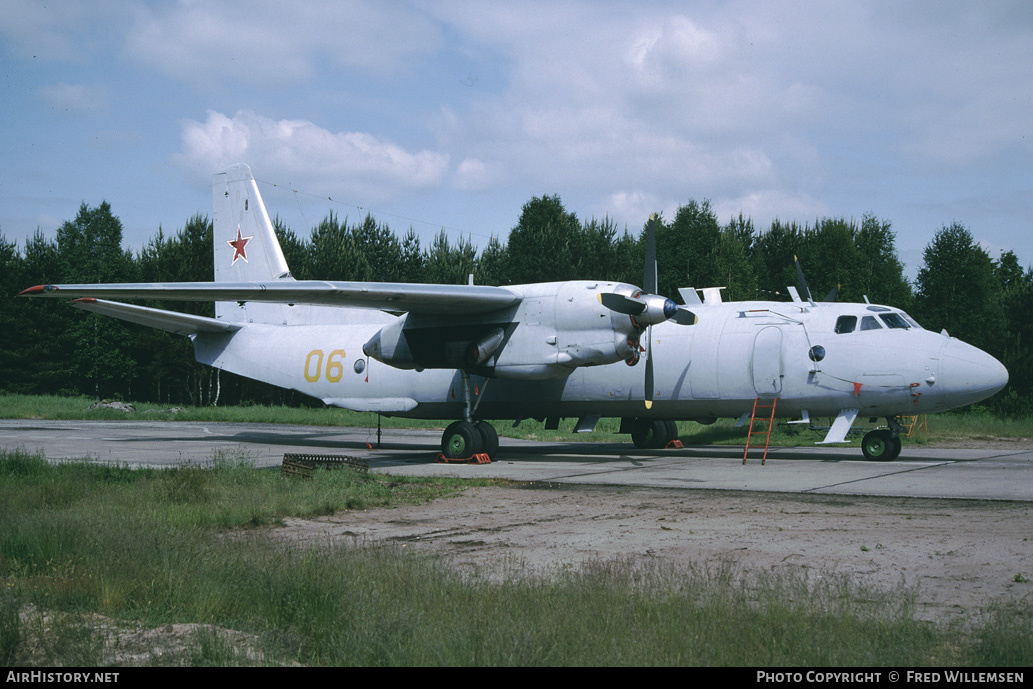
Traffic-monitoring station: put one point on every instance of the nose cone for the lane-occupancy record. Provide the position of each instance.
(670, 308)
(968, 374)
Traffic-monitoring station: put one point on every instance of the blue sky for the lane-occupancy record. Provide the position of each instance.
(454, 114)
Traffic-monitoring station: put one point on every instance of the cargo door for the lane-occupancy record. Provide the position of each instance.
(767, 362)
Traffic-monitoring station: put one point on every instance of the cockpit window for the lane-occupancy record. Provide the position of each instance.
(894, 320)
(911, 321)
(869, 323)
(846, 324)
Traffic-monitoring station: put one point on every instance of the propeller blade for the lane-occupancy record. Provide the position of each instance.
(831, 296)
(621, 303)
(649, 368)
(648, 306)
(649, 274)
(685, 317)
(801, 282)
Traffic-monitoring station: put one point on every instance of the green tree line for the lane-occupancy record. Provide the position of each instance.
(48, 348)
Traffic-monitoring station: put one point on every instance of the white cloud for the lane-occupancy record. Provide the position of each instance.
(664, 51)
(775, 110)
(910, 110)
(308, 155)
(276, 43)
(651, 97)
(633, 207)
(472, 175)
(765, 205)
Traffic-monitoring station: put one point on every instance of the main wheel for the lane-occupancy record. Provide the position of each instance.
(880, 446)
(489, 439)
(461, 440)
(650, 434)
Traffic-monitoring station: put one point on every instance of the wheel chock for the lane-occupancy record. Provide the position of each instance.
(479, 458)
(674, 445)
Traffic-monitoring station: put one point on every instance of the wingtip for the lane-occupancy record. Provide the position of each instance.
(38, 289)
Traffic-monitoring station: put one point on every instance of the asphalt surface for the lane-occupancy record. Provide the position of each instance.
(992, 473)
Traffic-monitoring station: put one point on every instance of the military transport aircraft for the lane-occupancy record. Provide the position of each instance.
(548, 350)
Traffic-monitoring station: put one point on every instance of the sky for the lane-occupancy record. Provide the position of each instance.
(451, 115)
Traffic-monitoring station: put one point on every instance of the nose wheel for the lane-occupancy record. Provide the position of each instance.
(881, 445)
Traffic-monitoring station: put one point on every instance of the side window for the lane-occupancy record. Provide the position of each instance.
(869, 323)
(911, 321)
(846, 324)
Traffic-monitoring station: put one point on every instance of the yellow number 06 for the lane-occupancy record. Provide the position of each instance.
(334, 365)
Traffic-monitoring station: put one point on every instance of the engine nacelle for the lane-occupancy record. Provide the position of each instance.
(556, 328)
(421, 344)
(391, 346)
(562, 326)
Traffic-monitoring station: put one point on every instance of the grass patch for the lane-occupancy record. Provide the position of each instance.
(85, 545)
(975, 424)
(56, 407)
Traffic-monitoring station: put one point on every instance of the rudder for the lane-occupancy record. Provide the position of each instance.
(245, 246)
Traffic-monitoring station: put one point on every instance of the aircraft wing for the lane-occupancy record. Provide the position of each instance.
(173, 322)
(387, 296)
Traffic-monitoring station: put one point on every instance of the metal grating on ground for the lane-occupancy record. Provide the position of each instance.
(305, 465)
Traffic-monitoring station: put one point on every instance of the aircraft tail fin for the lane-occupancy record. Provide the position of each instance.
(245, 246)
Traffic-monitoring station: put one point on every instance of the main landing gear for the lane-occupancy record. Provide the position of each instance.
(464, 439)
(653, 434)
(883, 444)
(467, 439)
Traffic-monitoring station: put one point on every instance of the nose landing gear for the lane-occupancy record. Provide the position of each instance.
(883, 445)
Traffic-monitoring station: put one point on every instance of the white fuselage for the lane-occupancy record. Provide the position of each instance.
(737, 352)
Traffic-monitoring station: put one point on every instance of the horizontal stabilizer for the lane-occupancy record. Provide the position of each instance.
(388, 296)
(171, 321)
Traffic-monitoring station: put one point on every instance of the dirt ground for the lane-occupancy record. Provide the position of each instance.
(958, 556)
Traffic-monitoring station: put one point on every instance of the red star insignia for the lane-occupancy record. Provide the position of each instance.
(238, 245)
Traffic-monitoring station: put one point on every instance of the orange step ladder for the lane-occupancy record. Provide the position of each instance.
(767, 434)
